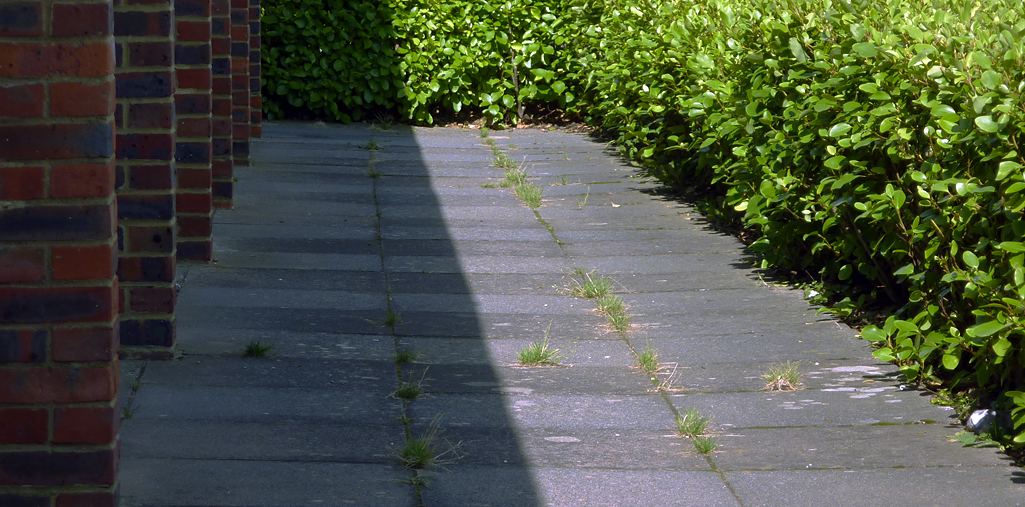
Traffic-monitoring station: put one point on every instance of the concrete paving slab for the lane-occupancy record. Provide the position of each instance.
(491, 303)
(224, 297)
(883, 404)
(584, 488)
(273, 372)
(480, 283)
(313, 279)
(940, 486)
(282, 319)
(203, 340)
(469, 248)
(286, 260)
(294, 440)
(908, 445)
(639, 412)
(246, 483)
(498, 379)
(503, 351)
(477, 264)
(471, 233)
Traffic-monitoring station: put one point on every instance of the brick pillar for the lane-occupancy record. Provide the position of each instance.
(194, 203)
(220, 43)
(255, 64)
(58, 291)
(240, 81)
(146, 175)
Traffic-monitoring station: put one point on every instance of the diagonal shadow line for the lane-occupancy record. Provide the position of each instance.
(299, 265)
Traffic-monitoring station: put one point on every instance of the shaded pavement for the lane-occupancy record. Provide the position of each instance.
(350, 244)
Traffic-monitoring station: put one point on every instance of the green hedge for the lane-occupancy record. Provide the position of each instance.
(347, 59)
(874, 144)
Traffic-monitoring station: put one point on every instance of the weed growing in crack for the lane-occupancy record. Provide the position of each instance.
(373, 173)
(592, 288)
(530, 194)
(391, 319)
(128, 412)
(370, 146)
(256, 349)
(705, 445)
(615, 311)
(406, 356)
(648, 359)
(784, 377)
(515, 176)
(582, 203)
(691, 423)
(483, 132)
(502, 161)
(410, 389)
(560, 183)
(428, 450)
(541, 353)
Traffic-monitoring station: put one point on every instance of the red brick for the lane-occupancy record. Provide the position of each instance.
(158, 115)
(57, 141)
(194, 127)
(93, 59)
(84, 344)
(21, 19)
(222, 169)
(22, 183)
(193, 31)
(149, 239)
(195, 227)
(194, 79)
(81, 99)
(193, 203)
(83, 262)
(42, 468)
(189, 178)
(24, 426)
(19, 265)
(82, 180)
(257, 132)
(21, 101)
(151, 177)
(86, 500)
(23, 346)
(85, 425)
(150, 54)
(240, 72)
(240, 4)
(56, 304)
(82, 20)
(57, 385)
(220, 7)
(222, 107)
(153, 299)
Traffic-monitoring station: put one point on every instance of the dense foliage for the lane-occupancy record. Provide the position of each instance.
(872, 144)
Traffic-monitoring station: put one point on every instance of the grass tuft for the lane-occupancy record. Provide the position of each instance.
(428, 450)
(406, 356)
(530, 194)
(691, 423)
(592, 288)
(391, 319)
(615, 311)
(705, 445)
(648, 359)
(541, 353)
(784, 377)
(256, 349)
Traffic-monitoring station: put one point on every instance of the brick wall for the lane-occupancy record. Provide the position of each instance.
(58, 291)
(147, 179)
(241, 96)
(223, 165)
(193, 104)
(256, 101)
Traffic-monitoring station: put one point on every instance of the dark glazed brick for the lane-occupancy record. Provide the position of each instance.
(21, 18)
(58, 468)
(192, 104)
(191, 55)
(221, 66)
(191, 8)
(145, 207)
(221, 147)
(34, 306)
(22, 346)
(56, 223)
(221, 189)
(218, 27)
(56, 141)
(25, 500)
(145, 146)
(192, 153)
(240, 49)
(142, 23)
(195, 251)
(137, 85)
(147, 332)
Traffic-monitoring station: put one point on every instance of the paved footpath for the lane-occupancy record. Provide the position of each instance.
(339, 231)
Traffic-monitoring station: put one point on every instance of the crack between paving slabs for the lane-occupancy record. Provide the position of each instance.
(626, 340)
(391, 319)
